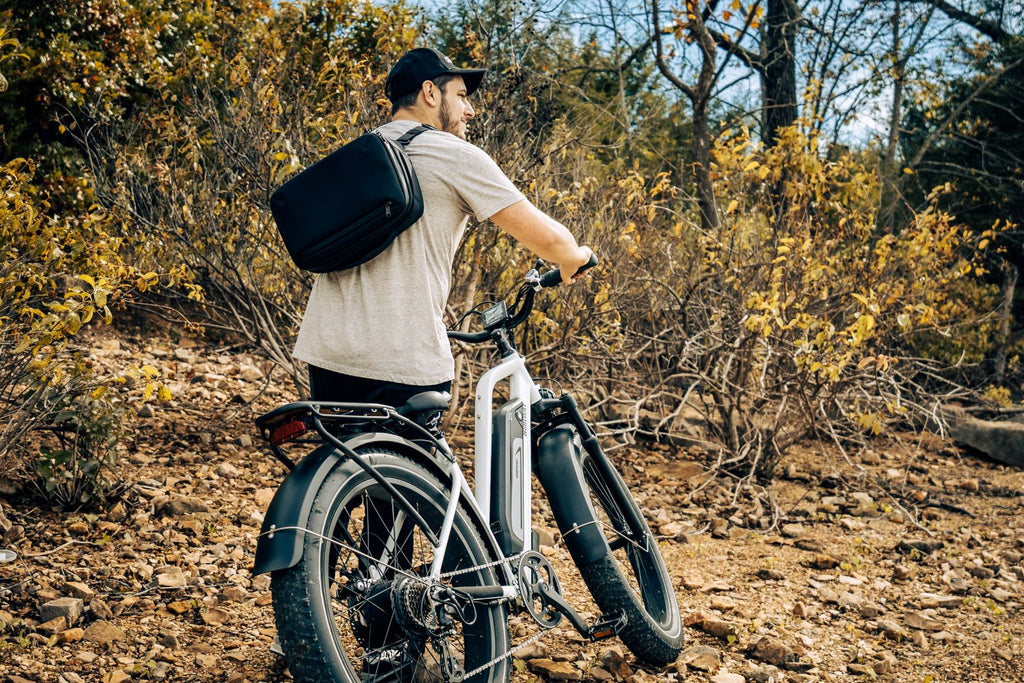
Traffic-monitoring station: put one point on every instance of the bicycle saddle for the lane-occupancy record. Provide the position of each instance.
(425, 403)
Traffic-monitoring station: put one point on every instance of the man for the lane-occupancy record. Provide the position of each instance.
(375, 333)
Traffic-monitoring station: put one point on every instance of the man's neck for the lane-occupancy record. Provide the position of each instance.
(415, 116)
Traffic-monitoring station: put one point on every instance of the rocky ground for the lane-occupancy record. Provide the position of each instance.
(896, 563)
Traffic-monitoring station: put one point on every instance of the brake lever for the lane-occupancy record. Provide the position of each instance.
(532, 277)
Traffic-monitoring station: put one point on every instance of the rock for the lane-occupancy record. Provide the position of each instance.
(181, 606)
(117, 676)
(722, 603)
(871, 610)
(250, 373)
(100, 608)
(1002, 441)
(923, 621)
(773, 651)
(792, 530)
(170, 577)
(263, 497)
(883, 662)
(176, 506)
(79, 590)
(206, 661)
(701, 657)
(716, 585)
(69, 608)
(613, 661)
(555, 671)
(727, 677)
(215, 616)
(78, 529)
(53, 626)
(146, 411)
(892, 630)
(103, 633)
(932, 600)
(227, 470)
(537, 650)
(71, 635)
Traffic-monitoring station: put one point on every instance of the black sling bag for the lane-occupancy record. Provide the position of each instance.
(351, 205)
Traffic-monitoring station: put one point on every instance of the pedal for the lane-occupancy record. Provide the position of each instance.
(606, 626)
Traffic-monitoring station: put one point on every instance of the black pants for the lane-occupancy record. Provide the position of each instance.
(326, 385)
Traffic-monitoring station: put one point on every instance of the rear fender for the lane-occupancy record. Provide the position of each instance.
(281, 536)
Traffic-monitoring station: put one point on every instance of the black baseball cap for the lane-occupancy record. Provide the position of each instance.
(424, 64)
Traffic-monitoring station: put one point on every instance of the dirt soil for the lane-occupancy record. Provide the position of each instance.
(900, 562)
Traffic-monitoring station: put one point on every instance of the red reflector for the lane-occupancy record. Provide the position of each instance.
(287, 432)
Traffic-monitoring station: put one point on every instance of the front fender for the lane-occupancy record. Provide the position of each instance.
(559, 472)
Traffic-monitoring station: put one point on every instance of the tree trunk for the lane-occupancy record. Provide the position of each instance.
(702, 168)
(778, 78)
(1004, 337)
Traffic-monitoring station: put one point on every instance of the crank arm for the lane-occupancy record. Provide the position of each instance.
(606, 626)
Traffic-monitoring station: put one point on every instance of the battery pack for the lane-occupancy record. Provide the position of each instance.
(507, 449)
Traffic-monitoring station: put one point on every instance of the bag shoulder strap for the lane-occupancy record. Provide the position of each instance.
(412, 133)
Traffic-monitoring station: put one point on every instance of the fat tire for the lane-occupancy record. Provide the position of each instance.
(656, 640)
(308, 635)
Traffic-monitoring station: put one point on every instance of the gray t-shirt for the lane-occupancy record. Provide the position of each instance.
(384, 319)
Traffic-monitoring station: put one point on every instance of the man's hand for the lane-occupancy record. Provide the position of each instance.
(574, 270)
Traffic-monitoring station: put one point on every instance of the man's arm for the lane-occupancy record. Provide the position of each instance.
(544, 236)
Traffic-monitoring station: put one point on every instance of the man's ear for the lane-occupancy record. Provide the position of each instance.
(429, 92)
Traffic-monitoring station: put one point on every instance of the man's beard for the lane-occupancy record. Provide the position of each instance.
(447, 124)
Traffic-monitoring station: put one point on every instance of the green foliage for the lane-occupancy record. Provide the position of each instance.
(78, 467)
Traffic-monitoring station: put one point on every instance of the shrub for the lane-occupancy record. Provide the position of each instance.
(58, 276)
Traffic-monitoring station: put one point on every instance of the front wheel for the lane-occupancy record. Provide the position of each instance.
(616, 553)
(358, 605)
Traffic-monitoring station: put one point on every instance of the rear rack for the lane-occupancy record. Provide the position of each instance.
(290, 421)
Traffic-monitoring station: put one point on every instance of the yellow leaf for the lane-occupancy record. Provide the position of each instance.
(732, 206)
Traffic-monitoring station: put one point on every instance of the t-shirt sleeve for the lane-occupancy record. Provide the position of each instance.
(481, 184)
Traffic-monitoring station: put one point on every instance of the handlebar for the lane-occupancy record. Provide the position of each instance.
(553, 277)
(533, 282)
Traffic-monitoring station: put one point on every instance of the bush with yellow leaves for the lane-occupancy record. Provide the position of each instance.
(59, 419)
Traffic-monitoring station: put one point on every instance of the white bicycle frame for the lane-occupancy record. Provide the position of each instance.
(523, 388)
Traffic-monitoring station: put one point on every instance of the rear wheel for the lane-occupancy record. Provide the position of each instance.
(358, 607)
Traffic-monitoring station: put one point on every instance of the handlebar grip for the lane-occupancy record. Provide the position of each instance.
(553, 278)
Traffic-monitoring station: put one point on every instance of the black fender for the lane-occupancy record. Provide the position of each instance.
(281, 537)
(561, 475)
